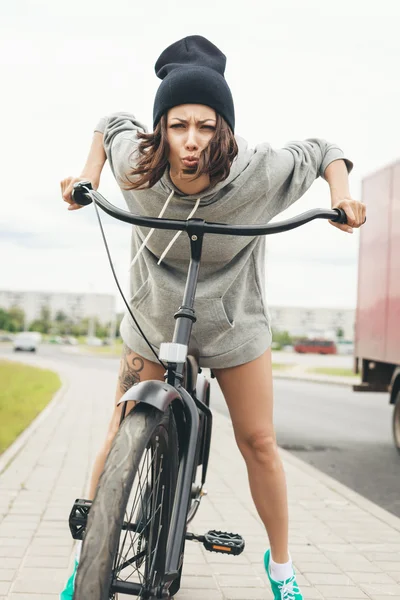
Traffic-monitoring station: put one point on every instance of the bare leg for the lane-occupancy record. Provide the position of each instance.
(133, 368)
(249, 396)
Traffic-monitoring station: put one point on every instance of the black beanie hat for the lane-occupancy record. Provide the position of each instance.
(192, 70)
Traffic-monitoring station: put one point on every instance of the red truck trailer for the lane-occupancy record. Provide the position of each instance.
(377, 334)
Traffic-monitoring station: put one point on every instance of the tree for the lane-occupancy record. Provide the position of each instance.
(16, 319)
(282, 338)
(340, 333)
(44, 323)
(4, 320)
(60, 317)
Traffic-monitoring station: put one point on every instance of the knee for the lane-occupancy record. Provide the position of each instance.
(261, 448)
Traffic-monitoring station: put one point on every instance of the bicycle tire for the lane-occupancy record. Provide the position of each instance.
(137, 433)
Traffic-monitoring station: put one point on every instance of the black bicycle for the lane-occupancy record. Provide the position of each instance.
(134, 531)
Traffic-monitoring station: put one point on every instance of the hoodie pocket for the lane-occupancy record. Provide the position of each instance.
(212, 321)
(155, 306)
(141, 294)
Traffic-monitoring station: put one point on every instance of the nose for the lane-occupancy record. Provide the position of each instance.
(191, 143)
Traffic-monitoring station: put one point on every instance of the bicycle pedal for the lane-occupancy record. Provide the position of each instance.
(223, 542)
(78, 518)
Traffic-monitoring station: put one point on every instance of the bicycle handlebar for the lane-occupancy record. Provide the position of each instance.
(83, 194)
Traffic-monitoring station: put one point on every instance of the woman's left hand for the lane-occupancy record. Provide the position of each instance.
(355, 212)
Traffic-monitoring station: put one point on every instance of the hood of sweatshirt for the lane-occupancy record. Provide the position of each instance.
(208, 196)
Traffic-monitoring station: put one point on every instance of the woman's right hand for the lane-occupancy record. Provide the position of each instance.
(67, 186)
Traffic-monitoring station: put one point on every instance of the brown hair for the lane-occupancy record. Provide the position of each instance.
(215, 160)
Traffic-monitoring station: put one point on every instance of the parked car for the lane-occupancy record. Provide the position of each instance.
(70, 340)
(315, 346)
(94, 341)
(6, 337)
(27, 340)
(55, 339)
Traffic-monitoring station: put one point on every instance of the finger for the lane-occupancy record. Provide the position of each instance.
(359, 214)
(64, 186)
(351, 218)
(342, 226)
(68, 194)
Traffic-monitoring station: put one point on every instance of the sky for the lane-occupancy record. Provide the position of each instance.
(296, 70)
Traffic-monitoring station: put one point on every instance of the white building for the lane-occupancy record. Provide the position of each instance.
(75, 306)
(313, 322)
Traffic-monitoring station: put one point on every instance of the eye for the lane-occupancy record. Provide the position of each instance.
(209, 127)
(175, 125)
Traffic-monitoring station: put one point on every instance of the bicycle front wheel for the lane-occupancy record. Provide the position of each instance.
(128, 522)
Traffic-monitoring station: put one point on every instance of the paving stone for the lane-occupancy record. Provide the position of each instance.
(388, 566)
(329, 579)
(371, 578)
(7, 574)
(374, 590)
(199, 582)
(340, 591)
(247, 594)
(5, 587)
(309, 568)
(240, 581)
(28, 596)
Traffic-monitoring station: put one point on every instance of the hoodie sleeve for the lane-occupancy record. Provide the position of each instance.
(120, 141)
(292, 169)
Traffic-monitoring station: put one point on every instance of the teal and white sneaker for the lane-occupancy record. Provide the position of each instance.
(68, 591)
(283, 590)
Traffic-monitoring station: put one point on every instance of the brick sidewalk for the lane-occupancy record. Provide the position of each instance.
(343, 546)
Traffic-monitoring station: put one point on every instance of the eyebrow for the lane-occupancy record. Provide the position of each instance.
(200, 122)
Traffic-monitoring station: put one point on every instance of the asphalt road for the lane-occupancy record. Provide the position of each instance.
(342, 433)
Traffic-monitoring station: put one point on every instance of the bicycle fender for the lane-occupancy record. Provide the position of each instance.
(156, 393)
(202, 389)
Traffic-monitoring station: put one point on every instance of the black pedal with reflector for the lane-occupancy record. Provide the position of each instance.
(223, 542)
(78, 518)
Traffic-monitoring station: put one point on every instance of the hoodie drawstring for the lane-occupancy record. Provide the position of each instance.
(172, 242)
(148, 236)
(178, 233)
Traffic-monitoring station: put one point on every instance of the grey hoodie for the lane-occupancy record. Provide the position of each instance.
(233, 324)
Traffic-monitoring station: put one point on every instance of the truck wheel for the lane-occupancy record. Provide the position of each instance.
(396, 423)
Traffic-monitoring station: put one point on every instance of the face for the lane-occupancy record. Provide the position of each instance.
(190, 128)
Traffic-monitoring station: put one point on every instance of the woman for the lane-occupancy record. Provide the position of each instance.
(192, 164)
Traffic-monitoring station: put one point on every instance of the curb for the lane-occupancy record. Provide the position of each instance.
(311, 379)
(354, 497)
(18, 444)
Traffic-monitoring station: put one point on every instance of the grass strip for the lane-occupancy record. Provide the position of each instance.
(24, 392)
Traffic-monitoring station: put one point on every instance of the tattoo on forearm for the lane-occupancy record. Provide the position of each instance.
(130, 371)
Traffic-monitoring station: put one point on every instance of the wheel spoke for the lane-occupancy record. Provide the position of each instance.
(146, 509)
(138, 491)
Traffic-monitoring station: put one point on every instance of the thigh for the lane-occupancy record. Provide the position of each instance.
(248, 393)
(133, 368)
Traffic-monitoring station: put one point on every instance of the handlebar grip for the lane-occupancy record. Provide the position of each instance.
(342, 217)
(80, 195)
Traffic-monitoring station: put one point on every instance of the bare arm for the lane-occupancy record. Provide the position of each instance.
(91, 171)
(337, 176)
(95, 160)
